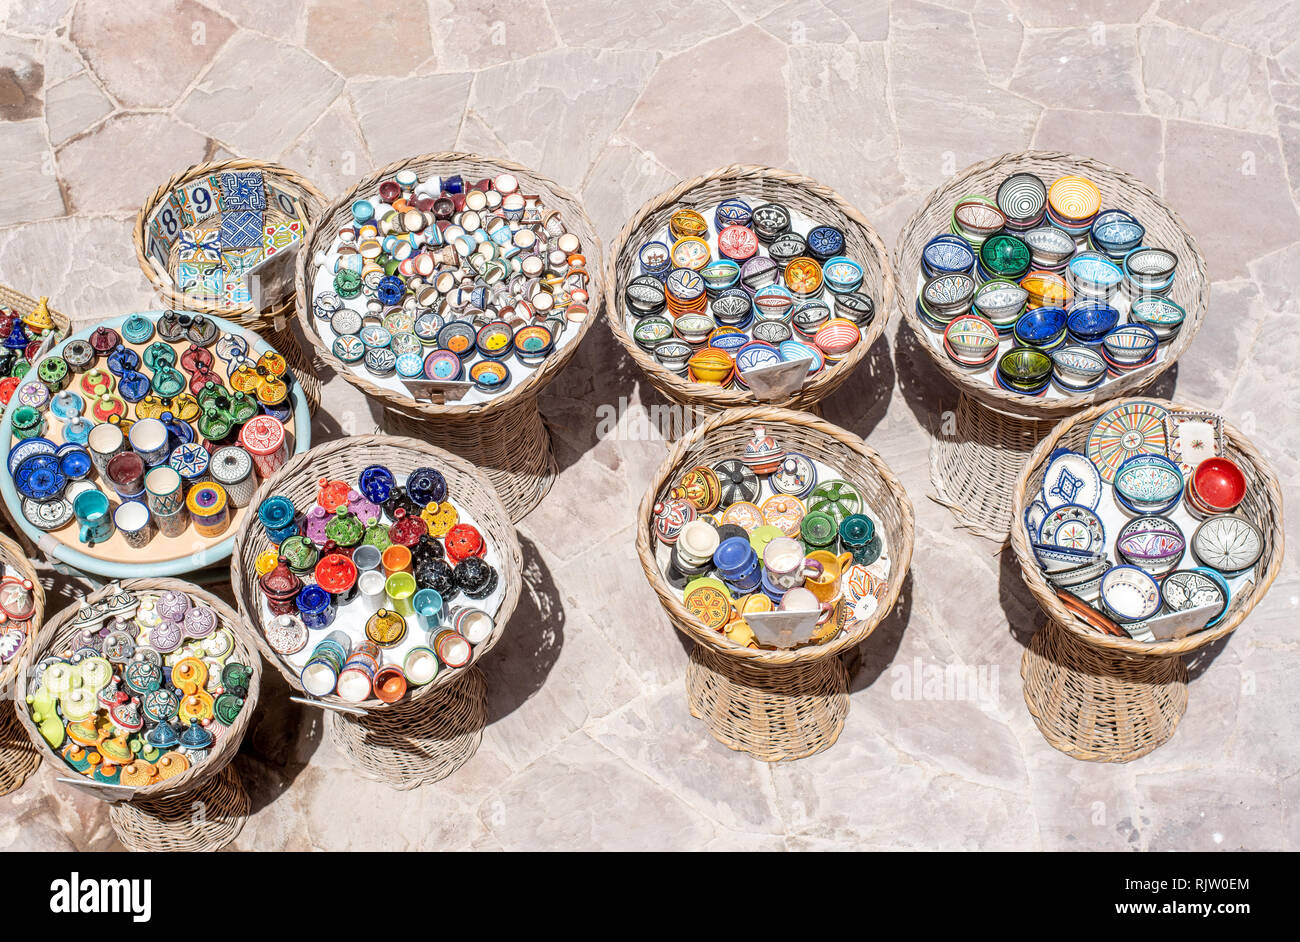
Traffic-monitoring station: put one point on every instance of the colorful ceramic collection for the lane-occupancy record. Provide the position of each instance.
(1038, 286)
(715, 300)
(377, 586)
(766, 531)
(1137, 541)
(21, 339)
(160, 426)
(148, 685)
(448, 279)
(212, 233)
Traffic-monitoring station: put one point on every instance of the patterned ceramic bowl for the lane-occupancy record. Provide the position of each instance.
(1077, 368)
(1089, 321)
(971, 341)
(1161, 314)
(1042, 327)
(1148, 484)
(1130, 345)
(1001, 302)
(1130, 594)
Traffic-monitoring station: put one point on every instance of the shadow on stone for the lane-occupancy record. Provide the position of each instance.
(280, 741)
(863, 400)
(518, 666)
(868, 660)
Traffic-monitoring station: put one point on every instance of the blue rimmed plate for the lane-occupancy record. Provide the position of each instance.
(1071, 478)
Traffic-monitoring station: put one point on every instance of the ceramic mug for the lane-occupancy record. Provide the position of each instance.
(826, 585)
(371, 587)
(802, 600)
(696, 543)
(132, 520)
(91, 508)
(126, 475)
(148, 439)
(163, 492)
(366, 558)
(172, 525)
(397, 558)
(401, 592)
(428, 607)
(105, 442)
(785, 564)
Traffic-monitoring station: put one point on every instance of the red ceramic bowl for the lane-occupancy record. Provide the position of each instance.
(1219, 484)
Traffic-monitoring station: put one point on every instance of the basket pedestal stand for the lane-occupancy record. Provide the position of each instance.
(419, 742)
(1099, 705)
(206, 818)
(773, 713)
(18, 757)
(974, 470)
(512, 448)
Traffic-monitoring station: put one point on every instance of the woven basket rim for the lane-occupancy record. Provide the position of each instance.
(1046, 595)
(226, 746)
(900, 551)
(313, 201)
(571, 209)
(1014, 404)
(12, 554)
(245, 583)
(682, 390)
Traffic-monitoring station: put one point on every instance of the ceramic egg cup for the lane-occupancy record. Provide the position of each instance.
(1094, 692)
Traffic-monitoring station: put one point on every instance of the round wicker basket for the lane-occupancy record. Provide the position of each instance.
(344, 459)
(274, 320)
(1103, 697)
(504, 437)
(799, 194)
(18, 756)
(974, 469)
(776, 704)
(57, 633)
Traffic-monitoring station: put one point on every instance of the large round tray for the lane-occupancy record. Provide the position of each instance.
(163, 556)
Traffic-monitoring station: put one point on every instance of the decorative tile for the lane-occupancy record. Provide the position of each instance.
(241, 228)
(166, 222)
(236, 264)
(202, 279)
(199, 200)
(243, 189)
(280, 235)
(201, 246)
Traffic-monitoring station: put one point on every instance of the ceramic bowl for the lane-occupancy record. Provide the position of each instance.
(1151, 542)
(1001, 302)
(719, 275)
(970, 340)
(946, 296)
(728, 339)
(1130, 344)
(1061, 559)
(694, 328)
(1022, 197)
(843, 275)
(1074, 198)
(1025, 367)
(1148, 484)
(495, 340)
(1228, 543)
(1130, 594)
(1093, 275)
(1043, 327)
(650, 330)
(732, 308)
(772, 332)
(1004, 256)
(855, 306)
(443, 365)
(645, 295)
(836, 337)
(533, 343)
(947, 254)
(1047, 289)
(1077, 368)
(977, 218)
(809, 316)
(757, 354)
(773, 303)
(673, 354)
(711, 366)
(793, 350)
(1218, 485)
(1049, 245)
(459, 338)
(1150, 268)
(1116, 232)
(1089, 321)
(1162, 315)
(491, 376)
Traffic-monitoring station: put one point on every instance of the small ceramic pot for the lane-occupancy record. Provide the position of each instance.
(133, 521)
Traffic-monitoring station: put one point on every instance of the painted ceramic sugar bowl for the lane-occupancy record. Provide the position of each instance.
(407, 530)
(699, 486)
(475, 577)
(314, 523)
(670, 515)
(762, 453)
(300, 554)
(345, 528)
(332, 494)
(463, 542)
(364, 509)
(377, 483)
(281, 588)
(277, 516)
(426, 486)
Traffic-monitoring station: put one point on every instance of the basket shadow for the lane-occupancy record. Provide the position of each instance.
(866, 661)
(925, 389)
(280, 741)
(518, 665)
(1024, 617)
(863, 400)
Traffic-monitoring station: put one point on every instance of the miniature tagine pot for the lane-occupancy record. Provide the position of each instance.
(281, 588)
(345, 529)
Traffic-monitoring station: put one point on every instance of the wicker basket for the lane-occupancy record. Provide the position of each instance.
(504, 437)
(799, 194)
(57, 633)
(974, 469)
(1106, 698)
(274, 321)
(776, 704)
(18, 756)
(344, 460)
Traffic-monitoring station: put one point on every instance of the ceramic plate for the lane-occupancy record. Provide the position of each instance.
(1074, 527)
(49, 515)
(27, 447)
(1134, 428)
(1193, 437)
(1071, 479)
(1035, 514)
(1228, 543)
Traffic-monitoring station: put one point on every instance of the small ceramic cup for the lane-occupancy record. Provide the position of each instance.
(390, 683)
(105, 442)
(172, 525)
(474, 624)
(858, 535)
(397, 558)
(803, 600)
(372, 590)
(148, 438)
(126, 475)
(91, 508)
(696, 543)
(366, 558)
(785, 564)
(132, 520)
(420, 665)
(400, 588)
(428, 608)
(163, 492)
(826, 585)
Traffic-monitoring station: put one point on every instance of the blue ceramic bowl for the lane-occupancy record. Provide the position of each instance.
(1116, 232)
(945, 254)
(1090, 321)
(1043, 327)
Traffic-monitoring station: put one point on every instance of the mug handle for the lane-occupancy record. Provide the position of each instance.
(86, 533)
(826, 608)
(844, 559)
(811, 569)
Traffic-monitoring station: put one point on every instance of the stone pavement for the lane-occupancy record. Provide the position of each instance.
(590, 744)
